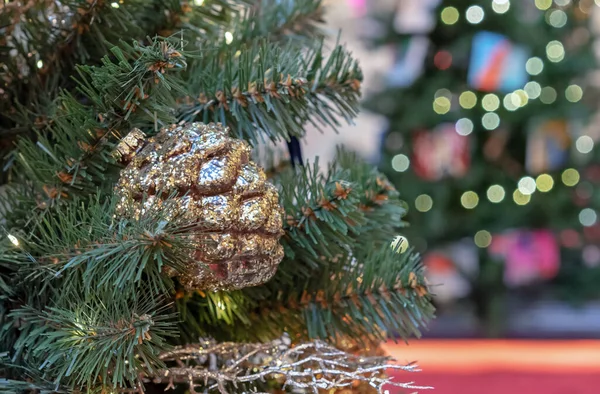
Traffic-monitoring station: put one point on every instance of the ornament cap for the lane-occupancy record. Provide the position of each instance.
(130, 145)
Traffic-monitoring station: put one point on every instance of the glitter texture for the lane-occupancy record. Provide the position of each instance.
(220, 191)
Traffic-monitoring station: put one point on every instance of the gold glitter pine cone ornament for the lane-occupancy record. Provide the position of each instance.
(221, 192)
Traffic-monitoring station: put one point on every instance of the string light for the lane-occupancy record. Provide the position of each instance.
(441, 105)
(490, 102)
(464, 126)
(588, 217)
(228, 37)
(520, 198)
(469, 199)
(574, 93)
(13, 239)
(490, 121)
(114, 5)
(500, 6)
(423, 203)
(548, 95)
(570, 177)
(556, 18)
(198, 2)
(534, 66)
(562, 3)
(450, 15)
(483, 238)
(544, 182)
(400, 163)
(555, 51)
(533, 90)
(496, 193)
(584, 144)
(475, 14)
(543, 4)
(40, 64)
(467, 99)
(527, 185)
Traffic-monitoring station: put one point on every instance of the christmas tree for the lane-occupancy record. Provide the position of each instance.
(487, 136)
(144, 248)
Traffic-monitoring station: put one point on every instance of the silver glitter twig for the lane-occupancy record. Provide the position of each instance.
(308, 367)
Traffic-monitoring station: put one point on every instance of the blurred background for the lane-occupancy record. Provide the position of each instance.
(485, 114)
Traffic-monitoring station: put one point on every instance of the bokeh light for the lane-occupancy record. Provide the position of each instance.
(584, 144)
(442, 60)
(500, 6)
(423, 203)
(574, 93)
(533, 90)
(441, 105)
(555, 51)
(544, 183)
(527, 185)
(490, 121)
(548, 95)
(543, 4)
(508, 102)
(469, 199)
(520, 98)
(464, 126)
(490, 102)
(588, 217)
(520, 198)
(400, 163)
(570, 177)
(562, 3)
(228, 37)
(496, 193)
(556, 18)
(394, 141)
(467, 99)
(443, 92)
(534, 66)
(475, 14)
(450, 15)
(483, 238)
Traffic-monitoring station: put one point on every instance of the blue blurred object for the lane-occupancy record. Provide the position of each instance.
(497, 64)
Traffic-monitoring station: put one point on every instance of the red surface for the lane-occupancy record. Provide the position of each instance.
(500, 366)
(508, 382)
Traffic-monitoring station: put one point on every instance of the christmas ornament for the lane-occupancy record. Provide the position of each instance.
(218, 190)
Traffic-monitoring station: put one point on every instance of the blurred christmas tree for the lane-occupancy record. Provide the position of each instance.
(487, 135)
(143, 248)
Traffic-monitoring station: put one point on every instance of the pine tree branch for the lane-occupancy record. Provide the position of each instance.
(134, 89)
(244, 91)
(101, 341)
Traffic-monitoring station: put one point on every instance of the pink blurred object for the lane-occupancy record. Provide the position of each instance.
(529, 256)
(440, 153)
(359, 7)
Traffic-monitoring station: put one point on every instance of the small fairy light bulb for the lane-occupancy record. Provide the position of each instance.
(40, 64)
(228, 37)
(399, 244)
(13, 239)
(198, 2)
(114, 4)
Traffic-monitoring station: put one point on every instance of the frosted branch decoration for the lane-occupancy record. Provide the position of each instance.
(307, 367)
